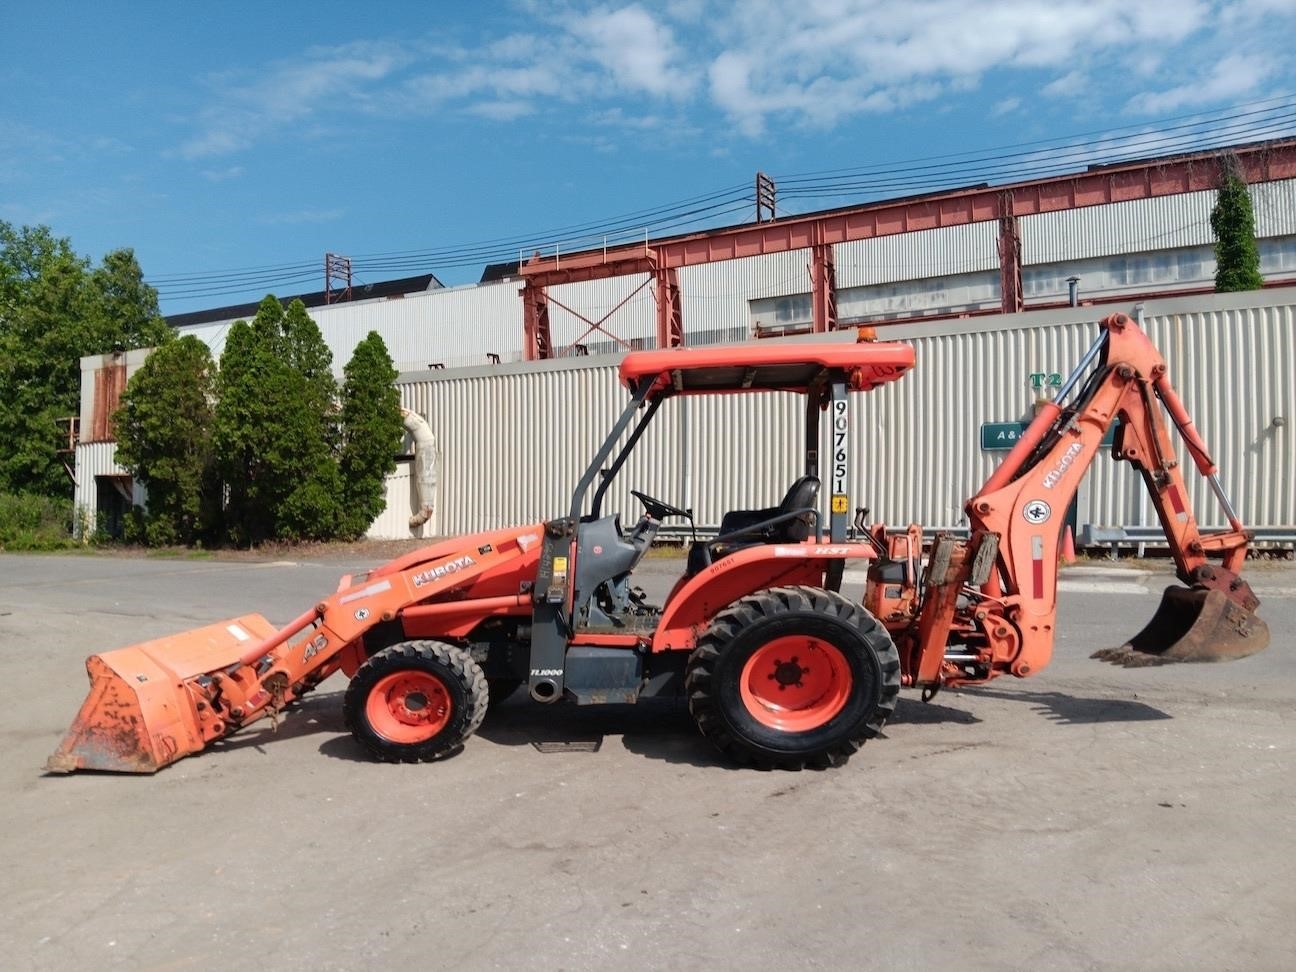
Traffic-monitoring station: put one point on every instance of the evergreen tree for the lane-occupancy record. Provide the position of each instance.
(310, 357)
(313, 510)
(1237, 258)
(164, 438)
(245, 431)
(371, 432)
(272, 430)
(53, 310)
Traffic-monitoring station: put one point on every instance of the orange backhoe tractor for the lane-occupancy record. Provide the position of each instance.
(779, 669)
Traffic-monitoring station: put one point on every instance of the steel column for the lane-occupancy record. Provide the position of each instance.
(537, 343)
(1010, 268)
(823, 277)
(670, 313)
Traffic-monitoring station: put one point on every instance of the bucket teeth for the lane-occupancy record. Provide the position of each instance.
(1192, 625)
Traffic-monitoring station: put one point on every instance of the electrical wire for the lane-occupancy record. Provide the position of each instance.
(1250, 122)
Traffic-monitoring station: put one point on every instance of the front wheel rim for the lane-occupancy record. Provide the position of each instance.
(409, 707)
(795, 683)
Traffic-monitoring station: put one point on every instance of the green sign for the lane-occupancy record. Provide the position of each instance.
(1002, 436)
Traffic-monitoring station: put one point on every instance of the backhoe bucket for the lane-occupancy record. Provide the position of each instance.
(1192, 625)
(139, 715)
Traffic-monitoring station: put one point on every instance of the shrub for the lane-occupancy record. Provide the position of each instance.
(30, 522)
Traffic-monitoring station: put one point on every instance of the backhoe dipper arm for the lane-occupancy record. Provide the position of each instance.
(1010, 619)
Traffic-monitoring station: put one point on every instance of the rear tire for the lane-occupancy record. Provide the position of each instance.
(416, 701)
(792, 677)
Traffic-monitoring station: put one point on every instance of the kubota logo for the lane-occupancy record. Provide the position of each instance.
(1068, 457)
(436, 573)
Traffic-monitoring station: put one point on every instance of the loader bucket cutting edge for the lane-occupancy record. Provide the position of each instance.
(1192, 625)
(139, 716)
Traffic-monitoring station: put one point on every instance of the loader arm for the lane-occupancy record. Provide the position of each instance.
(995, 596)
(154, 703)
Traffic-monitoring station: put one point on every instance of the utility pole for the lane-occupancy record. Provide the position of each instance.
(765, 196)
(337, 268)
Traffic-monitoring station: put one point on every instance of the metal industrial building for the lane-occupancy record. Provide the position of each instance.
(512, 435)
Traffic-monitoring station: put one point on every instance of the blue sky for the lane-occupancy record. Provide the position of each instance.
(221, 136)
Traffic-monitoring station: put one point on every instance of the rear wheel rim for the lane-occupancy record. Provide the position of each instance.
(409, 706)
(795, 683)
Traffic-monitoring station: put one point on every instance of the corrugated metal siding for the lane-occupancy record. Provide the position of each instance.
(456, 327)
(1275, 207)
(1233, 368)
(402, 503)
(1145, 225)
(96, 459)
(920, 456)
(716, 295)
(514, 444)
(911, 256)
(750, 277)
(635, 320)
(1127, 227)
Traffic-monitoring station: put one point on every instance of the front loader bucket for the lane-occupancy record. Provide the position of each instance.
(139, 715)
(1192, 625)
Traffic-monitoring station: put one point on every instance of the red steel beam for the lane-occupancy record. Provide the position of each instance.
(1122, 182)
(823, 288)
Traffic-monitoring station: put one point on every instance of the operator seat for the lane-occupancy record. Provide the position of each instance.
(743, 527)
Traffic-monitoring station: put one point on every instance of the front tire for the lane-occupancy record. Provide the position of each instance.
(792, 677)
(416, 701)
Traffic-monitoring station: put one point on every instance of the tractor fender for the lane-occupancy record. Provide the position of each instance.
(698, 599)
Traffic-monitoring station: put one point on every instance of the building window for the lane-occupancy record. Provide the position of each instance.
(1278, 255)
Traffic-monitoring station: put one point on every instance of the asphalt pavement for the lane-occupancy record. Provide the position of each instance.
(1089, 817)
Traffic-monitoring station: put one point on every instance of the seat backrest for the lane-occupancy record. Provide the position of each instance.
(802, 494)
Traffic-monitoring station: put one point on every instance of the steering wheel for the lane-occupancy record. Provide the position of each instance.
(657, 509)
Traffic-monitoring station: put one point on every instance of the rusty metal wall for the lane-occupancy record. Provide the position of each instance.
(515, 439)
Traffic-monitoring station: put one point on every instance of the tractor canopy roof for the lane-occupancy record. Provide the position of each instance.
(765, 366)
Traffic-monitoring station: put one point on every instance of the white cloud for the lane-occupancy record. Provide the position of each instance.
(824, 61)
(247, 109)
(762, 63)
(1068, 86)
(639, 53)
(1232, 77)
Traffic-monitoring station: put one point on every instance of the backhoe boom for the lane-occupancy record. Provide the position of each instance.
(1005, 623)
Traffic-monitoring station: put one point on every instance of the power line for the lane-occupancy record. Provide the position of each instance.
(1279, 101)
(1251, 121)
(1054, 163)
